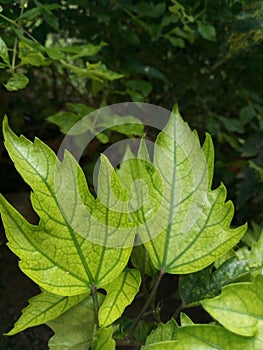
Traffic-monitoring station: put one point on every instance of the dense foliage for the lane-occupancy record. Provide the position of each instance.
(206, 55)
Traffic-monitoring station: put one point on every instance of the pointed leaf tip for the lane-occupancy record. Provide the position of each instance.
(176, 110)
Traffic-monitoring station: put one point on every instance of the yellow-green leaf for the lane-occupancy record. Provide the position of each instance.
(239, 308)
(120, 293)
(198, 219)
(4, 52)
(43, 308)
(184, 225)
(53, 254)
(208, 337)
(30, 55)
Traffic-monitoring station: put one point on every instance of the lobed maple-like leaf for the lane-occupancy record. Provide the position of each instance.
(53, 254)
(184, 225)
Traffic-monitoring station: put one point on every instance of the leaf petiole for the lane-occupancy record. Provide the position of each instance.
(146, 305)
(96, 305)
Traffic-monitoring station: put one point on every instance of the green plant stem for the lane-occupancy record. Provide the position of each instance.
(183, 306)
(19, 27)
(129, 343)
(178, 310)
(95, 303)
(146, 305)
(13, 66)
(129, 13)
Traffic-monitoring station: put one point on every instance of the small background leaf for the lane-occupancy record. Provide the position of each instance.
(207, 31)
(17, 82)
(208, 283)
(164, 332)
(103, 339)
(185, 320)
(141, 260)
(74, 329)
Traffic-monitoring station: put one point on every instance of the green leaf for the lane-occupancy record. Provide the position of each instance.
(143, 329)
(65, 121)
(239, 308)
(223, 258)
(80, 108)
(175, 41)
(29, 55)
(257, 168)
(209, 337)
(164, 332)
(207, 31)
(149, 10)
(180, 10)
(4, 52)
(80, 263)
(140, 259)
(252, 235)
(31, 14)
(257, 251)
(43, 308)
(209, 153)
(140, 85)
(103, 137)
(208, 283)
(74, 329)
(246, 114)
(103, 339)
(185, 320)
(54, 53)
(51, 19)
(127, 125)
(231, 124)
(101, 72)
(187, 33)
(143, 185)
(120, 293)
(170, 19)
(88, 50)
(17, 82)
(188, 211)
(136, 96)
(97, 71)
